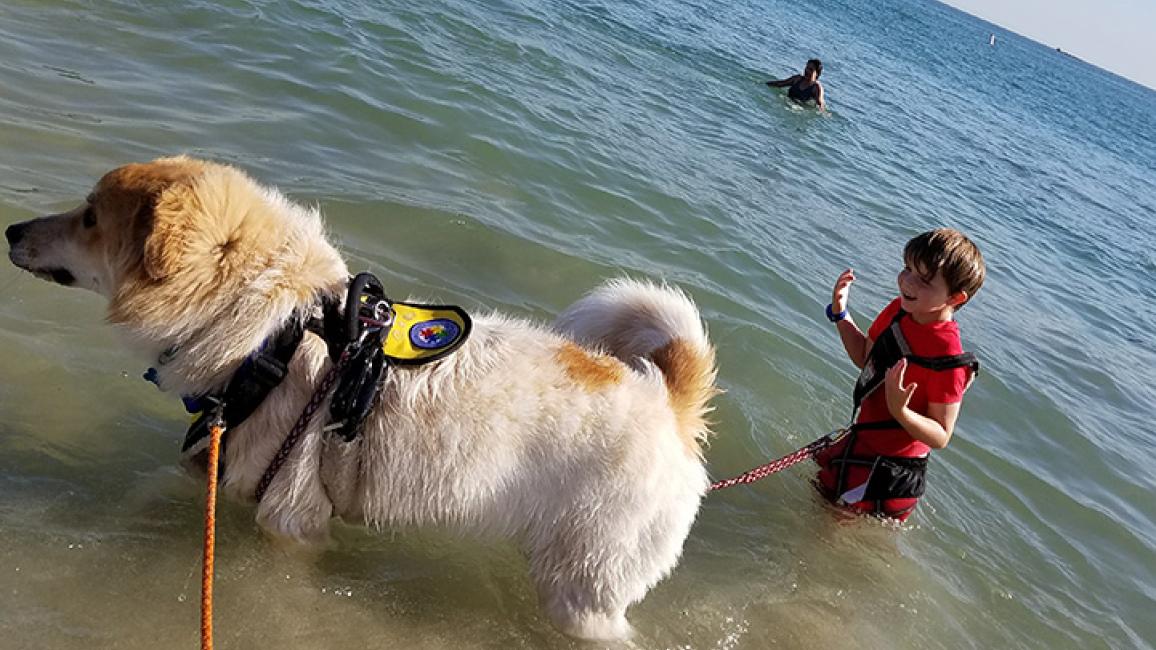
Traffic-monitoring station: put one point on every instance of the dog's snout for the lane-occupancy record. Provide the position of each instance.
(14, 233)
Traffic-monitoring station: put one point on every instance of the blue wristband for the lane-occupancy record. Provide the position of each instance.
(833, 317)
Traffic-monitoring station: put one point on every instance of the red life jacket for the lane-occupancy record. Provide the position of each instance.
(889, 485)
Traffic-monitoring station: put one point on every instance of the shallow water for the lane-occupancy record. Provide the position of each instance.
(512, 154)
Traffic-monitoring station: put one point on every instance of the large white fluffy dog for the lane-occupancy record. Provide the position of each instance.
(580, 441)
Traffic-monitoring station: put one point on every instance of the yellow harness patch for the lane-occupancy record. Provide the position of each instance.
(424, 333)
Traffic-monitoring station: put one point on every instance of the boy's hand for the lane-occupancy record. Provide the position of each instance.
(842, 288)
(898, 395)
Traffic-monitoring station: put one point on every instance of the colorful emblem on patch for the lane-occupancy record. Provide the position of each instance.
(434, 334)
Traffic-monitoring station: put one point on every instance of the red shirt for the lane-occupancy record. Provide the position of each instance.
(935, 339)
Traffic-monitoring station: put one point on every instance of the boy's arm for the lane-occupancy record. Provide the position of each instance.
(855, 342)
(933, 429)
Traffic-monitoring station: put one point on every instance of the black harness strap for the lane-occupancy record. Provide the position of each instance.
(845, 460)
(891, 477)
(257, 376)
(948, 362)
(888, 350)
(355, 331)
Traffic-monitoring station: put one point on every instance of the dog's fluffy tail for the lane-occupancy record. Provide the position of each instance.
(635, 321)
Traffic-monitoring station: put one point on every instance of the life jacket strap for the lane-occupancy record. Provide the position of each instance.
(947, 362)
(890, 477)
(888, 350)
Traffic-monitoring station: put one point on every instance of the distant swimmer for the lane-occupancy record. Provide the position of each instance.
(804, 87)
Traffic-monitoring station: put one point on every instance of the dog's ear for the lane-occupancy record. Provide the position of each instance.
(156, 199)
(167, 219)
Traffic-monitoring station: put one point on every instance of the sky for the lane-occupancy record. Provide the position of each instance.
(1117, 35)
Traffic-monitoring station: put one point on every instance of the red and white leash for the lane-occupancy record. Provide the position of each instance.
(778, 465)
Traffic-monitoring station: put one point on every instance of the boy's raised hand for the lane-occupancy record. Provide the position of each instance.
(842, 289)
(898, 393)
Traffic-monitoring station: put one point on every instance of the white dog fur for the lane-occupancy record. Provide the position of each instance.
(580, 441)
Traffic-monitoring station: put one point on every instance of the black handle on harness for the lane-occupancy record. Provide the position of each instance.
(365, 301)
(368, 318)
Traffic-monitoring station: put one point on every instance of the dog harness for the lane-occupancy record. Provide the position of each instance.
(364, 334)
(258, 375)
(376, 333)
(888, 477)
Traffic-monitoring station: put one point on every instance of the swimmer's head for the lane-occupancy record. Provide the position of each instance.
(816, 65)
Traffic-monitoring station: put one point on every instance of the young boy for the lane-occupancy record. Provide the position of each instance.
(914, 375)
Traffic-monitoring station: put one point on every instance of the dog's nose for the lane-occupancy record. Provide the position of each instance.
(14, 233)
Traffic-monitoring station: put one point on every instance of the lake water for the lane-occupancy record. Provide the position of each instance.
(511, 155)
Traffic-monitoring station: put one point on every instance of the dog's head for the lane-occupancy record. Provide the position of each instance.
(125, 227)
(184, 247)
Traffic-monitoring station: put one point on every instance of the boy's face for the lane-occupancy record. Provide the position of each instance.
(921, 296)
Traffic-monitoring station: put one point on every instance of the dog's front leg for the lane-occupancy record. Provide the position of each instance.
(296, 505)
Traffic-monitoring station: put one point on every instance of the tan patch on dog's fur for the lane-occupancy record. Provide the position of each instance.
(204, 232)
(126, 201)
(591, 371)
(690, 380)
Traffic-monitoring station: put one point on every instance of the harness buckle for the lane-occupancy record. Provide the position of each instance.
(216, 411)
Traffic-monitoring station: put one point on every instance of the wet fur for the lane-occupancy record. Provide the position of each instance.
(579, 441)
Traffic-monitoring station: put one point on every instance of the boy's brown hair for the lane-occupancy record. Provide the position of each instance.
(950, 252)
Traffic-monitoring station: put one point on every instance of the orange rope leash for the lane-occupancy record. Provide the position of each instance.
(216, 430)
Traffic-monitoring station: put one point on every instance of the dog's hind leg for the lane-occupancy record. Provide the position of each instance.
(591, 569)
(583, 609)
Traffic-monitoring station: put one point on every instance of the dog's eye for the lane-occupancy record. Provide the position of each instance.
(89, 218)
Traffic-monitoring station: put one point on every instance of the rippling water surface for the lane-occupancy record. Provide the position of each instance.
(512, 154)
